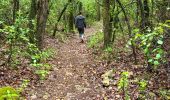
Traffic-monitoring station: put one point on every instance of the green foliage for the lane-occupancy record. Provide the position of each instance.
(9, 93)
(42, 73)
(151, 44)
(42, 56)
(108, 49)
(61, 36)
(23, 85)
(20, 46)
(89, 10)
(165, 94)
(107, 53)
(142, 85)
(39, 62)
(123, 84)
(5, 11)
(95, 40)
(16, 38)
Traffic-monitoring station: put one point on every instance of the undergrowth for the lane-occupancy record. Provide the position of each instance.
(95, 40)
(10, 93)
(40, 62)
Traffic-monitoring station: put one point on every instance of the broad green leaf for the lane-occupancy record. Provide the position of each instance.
(148, 45)
(155, 50)
(146, 50)
(156, 63)
(158, 56)
(160, 42)
(150, 60)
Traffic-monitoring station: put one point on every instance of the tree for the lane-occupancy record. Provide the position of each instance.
(143, 8)
(146, 24)
(80, 6)
(59, 18)
(106, 23)
(15, 9)
(71, 18)
(129, 30)
(32, 15)
(164, 15)
(42, 15)
(98, 10)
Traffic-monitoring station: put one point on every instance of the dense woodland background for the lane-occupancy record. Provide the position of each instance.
(134, 32)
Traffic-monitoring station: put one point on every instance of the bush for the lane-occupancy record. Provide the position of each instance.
(9, 93)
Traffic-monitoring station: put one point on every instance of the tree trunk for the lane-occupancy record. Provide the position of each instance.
(42, 15)
(137, 13)
(98, 10)
(129, 30)
(141, 8)
(106, 23)
(59, 18)
(113, 20)
(71, 18)
(146, 15)
(164, 13)
(164, 16)
(80, 6)
(116, 20)
(15, 9)
(32, 15)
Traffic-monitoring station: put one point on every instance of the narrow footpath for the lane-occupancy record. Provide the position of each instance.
(72, 78)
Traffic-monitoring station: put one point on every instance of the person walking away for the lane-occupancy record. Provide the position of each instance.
(80, 25)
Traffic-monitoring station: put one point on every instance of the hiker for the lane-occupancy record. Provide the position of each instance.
(80, 25)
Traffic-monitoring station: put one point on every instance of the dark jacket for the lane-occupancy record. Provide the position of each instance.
(80, 21)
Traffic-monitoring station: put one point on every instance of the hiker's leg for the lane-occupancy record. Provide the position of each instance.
(79, 30)
(82, 35)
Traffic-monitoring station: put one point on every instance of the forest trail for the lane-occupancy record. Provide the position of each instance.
(72, 77)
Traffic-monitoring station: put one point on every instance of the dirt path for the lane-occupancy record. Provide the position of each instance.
(71, 78)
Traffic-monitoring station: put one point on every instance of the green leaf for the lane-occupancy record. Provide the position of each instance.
(156, 63)
(158, 56)
(167, 21)
(146, 50)
(155, 50)
(148, 45)
(150, 60)
(160, 42)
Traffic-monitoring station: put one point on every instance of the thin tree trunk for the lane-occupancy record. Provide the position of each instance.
(146, 14)
(59, 18)
(141, 8)
(137, 13)
(15, 9)
(164, 16)
(116, 20)
(32, 15)
(98, 11)
(80, 6)
(71, 18)
(129, 29)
